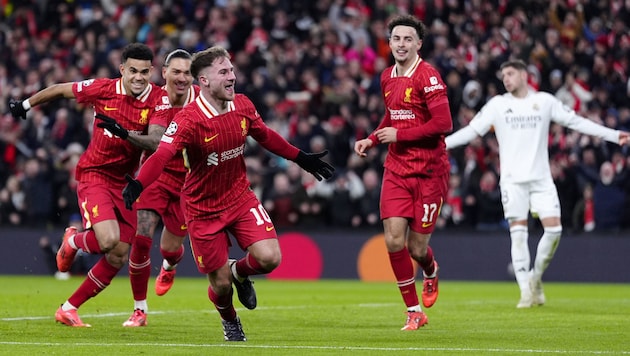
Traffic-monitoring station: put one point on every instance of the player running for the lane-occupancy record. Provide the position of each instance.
(416, 173)
(211, 132)
(162, 201)
(130, 114)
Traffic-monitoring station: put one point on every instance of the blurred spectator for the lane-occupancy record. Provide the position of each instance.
(470, 175)
(570, 25)
(347, 191)
(584, 211)
(304, 133)
(608, 196)
(369, 203)
(38, 192)
(489, 211)
(12, 204)
(65, 185)
(10, 131)
(310, 200)
(564, 177)
(61, 131)
(588, 167)
(574, 93)
(255, 176)
(339, 135)
(36, 133)
(329, 54)
(556, 82)
(278, 202)
(452, 213)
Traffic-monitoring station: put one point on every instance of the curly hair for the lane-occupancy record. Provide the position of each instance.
(407, 20)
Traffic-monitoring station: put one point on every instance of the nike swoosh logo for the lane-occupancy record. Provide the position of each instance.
(183, 227)
(425, 225)
(208, 139)
(107, 108)
(269, 228)
(387, 93)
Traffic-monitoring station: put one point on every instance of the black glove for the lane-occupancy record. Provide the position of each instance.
(112, 126)
(17, 109)
(132, 191)
(312, 163)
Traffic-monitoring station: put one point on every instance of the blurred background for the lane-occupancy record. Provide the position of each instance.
(312, 69)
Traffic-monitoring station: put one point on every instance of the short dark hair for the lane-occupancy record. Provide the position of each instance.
(178, 53)
(137, 51)
(518, 64)
(205, 58)
(407, 20)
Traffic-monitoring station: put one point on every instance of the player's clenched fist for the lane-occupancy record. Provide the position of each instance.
(17, 109)
(132, 191)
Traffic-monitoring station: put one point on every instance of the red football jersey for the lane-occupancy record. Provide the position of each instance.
(408, 98)
(175, 171)
(213, 146)
(108, 158)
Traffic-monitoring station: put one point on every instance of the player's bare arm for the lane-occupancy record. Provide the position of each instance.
(55, 91)
(624, 137)
(19, 108)
(149, 141)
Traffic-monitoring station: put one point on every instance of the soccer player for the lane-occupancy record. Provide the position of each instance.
(161, 201)
(415, 180)
(216, 195)
(520, 119)
(131, 113)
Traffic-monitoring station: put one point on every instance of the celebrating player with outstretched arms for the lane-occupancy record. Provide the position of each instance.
(520, 119)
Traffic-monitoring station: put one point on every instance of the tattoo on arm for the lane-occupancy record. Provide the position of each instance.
(150, 141)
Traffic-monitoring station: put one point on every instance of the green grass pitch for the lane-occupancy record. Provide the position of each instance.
(327, 317)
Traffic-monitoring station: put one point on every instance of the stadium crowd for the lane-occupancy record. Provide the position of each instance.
(312, 69)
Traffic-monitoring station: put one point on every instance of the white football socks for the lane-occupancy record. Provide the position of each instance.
(167, 266)
(546, 249)
(141, 304)
(70, 241)
(67, 306)
(520, 256)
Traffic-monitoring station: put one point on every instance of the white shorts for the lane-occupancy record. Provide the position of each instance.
(540, 197)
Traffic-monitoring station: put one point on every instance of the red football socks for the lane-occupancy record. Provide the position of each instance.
(405, 278)
(140, 266)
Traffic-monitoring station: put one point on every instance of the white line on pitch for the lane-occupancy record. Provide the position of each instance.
(335, 348)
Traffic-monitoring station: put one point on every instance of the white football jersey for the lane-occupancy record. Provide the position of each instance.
(521, 126)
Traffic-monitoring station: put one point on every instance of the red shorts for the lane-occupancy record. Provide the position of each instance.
(209, 239)
(164, 200)
(419, 199)
(99, 202)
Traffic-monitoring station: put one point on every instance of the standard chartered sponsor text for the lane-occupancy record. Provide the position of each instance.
(233, 153)
(402, 114)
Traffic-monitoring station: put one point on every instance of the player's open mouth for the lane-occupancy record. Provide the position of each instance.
(137, 86)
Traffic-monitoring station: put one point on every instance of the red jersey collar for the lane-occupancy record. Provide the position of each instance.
(190, 97)
(409, 71)
(120, 89)
(208, 109)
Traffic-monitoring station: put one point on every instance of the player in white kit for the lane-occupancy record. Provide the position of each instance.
(520, 119)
